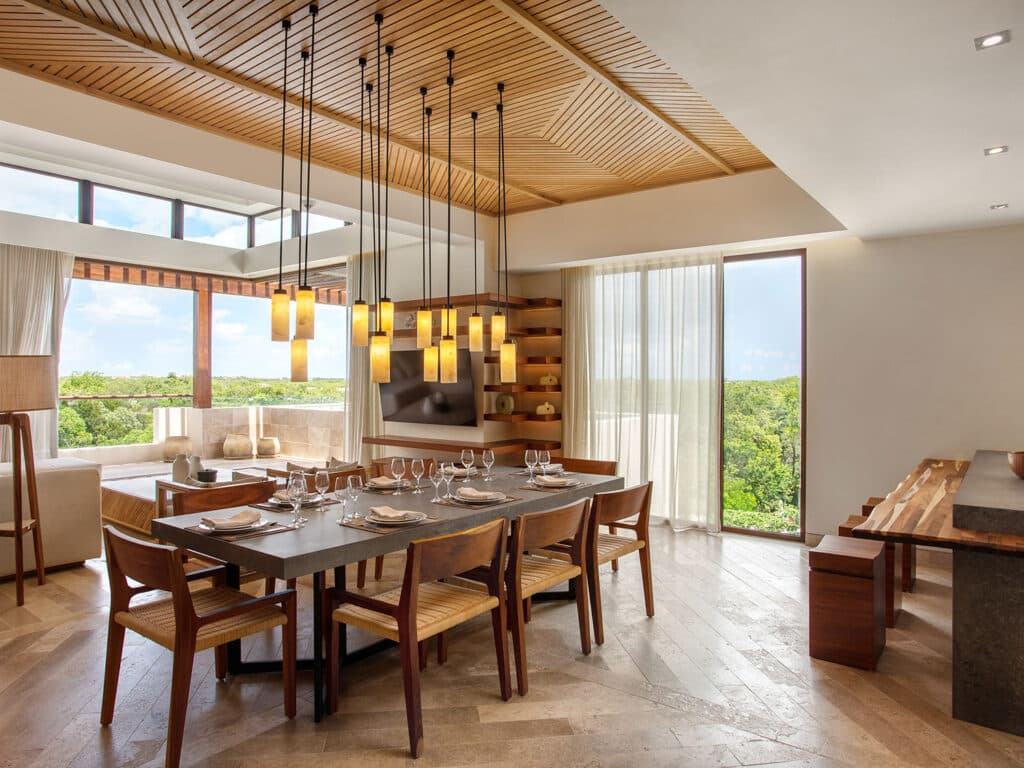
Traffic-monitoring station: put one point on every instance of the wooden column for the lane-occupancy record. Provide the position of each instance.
(202, 396)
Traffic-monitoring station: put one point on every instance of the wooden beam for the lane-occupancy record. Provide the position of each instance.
(169, 57)
(538, 30)
(202, 378)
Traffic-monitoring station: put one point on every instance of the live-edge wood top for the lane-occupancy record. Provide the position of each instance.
(920, 510)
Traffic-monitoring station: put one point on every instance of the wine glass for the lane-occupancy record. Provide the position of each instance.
(467, 461)
(322, 483)
(341, 495)
(448, 469)
(398, 472)
(544, 459)
(531, 463)
(355, 487)
(296, 491)
(436, 476)
(417, 471)
(488, 458)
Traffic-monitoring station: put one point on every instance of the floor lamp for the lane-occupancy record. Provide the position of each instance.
(26, 384)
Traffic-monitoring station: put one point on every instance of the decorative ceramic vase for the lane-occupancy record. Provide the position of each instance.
(547, 380)
(267, 447)
(505, 404)
(179, 469)
(1016, 459)
(195, 466)
(237, 447)
(545, 409)
(175, 445)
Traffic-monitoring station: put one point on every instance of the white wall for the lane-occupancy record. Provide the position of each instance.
(914, 349)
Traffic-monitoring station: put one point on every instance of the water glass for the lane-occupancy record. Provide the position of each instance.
(296, 491)
(436, 476)
(448, 469)
(488, 458)
(398, 471)
(355, 487)
(531, 463)
(341, 496)
(467, 461)
(322, 483)
(544, 459)
(417, 471)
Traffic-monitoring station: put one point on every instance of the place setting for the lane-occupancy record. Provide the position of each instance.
(242, 525)
(386, 519)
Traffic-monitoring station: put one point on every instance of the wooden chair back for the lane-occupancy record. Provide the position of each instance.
(332, 475)
(540, 529)
(614, 506)
(156, 566)
(442, 556)
(589, 466)
(226, 496)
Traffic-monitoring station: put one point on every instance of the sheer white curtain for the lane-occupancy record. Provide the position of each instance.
(647, 382)
(362, 399)
(34, 286)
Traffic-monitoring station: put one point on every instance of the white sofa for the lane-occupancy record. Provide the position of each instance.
(69, 512)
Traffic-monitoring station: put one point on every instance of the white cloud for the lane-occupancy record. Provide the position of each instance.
(114, 304)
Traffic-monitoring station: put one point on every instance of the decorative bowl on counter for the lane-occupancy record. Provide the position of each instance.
(1016, 459)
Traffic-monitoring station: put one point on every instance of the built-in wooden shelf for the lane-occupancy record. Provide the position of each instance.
(543, 417)
(481, 299)
(515, 416)
(528, 360)
(505, 388)
(543, 303)
(454, 446)
(543, 387)
(542, 445)
(537, 333)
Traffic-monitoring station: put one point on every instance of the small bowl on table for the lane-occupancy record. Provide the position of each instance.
(1016, 460)
(207, 475)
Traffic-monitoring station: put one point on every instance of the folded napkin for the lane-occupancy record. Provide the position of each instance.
(553, 482)
(555, 468)
(283, 497)
(243, 519)
(462, 471)
(474, 495)
(390, 513)
(384, 482)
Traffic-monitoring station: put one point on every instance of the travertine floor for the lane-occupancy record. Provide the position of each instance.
(720, 677)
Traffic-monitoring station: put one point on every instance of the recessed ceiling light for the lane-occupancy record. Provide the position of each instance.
(1002, 149)
(992, 40)
(999, 206)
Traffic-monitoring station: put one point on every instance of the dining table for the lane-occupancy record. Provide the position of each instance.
(322, 544)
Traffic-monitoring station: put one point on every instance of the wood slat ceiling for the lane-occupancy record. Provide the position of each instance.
(591, 111)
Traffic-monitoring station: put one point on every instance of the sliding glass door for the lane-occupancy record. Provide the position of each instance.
(762, 394)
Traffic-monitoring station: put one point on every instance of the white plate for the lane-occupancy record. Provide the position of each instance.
(568, 484)
(241, 529)
(309, 502)
(416, 518)
(465, 500)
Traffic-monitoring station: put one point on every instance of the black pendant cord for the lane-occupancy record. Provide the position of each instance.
(373, 212)
(362, 117)
(302, 152)
(314, 10)
(389, 51)
(423, 192)
(430, 218)
(498, 108)
(476, 308)
(450, 81)
(378, 19)
(286, 25)
(502, 190)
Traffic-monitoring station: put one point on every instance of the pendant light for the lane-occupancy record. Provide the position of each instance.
(360, 309)
(280, 302)
(507, 356)
(380, 345)
(305, 297)
(449, 373)
(431, 352)
(385, 306)
(424, 316)
(476, 321)
(299, 352)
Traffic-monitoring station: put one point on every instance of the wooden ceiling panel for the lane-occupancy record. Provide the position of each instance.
(590, 110)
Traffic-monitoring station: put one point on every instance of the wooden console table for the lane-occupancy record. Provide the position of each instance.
(988, 591)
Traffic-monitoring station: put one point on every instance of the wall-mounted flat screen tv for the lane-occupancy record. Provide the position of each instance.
(409, 399)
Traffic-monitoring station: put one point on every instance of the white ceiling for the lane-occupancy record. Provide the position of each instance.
(879, 109)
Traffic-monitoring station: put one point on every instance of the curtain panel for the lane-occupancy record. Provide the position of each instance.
(643, 385)
(34, 286)
(362, 397)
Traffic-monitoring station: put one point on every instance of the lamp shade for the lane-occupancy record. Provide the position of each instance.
(449, 321)
(280, 315)
(476, 332)
(300, 365)
(380, 358)
(424, 328)
(497, 331)
(430, 363)
(386, 307)
(27, 383)
(449, 360)
(305, 312)
(507, 360)
(360, 324)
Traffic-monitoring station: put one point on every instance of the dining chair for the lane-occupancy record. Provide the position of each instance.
(589, 466)
(425, 606)
(530, 571)
(185, 623)
(618, 509)
(225, 497)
